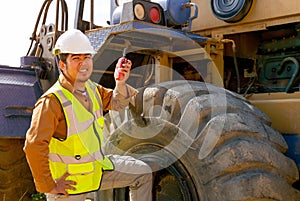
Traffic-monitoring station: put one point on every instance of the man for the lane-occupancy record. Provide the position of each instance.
(63, 143)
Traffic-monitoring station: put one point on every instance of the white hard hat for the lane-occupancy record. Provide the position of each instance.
(73, 41)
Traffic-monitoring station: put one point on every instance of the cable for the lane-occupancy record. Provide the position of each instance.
(235, 63)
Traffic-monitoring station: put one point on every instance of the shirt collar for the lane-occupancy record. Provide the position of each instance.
(65, 83)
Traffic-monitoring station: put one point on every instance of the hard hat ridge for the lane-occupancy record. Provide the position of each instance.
(73, 41)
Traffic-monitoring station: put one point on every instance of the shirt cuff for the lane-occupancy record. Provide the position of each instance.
(130, 91)
(44, 186)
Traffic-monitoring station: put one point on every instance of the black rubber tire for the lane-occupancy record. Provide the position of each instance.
(225, 145)
(16, 182)
(230, 11)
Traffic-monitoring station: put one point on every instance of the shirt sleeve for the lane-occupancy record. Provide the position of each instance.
(113, 100)
(45, 118)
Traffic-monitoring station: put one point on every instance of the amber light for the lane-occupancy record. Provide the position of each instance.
(139, 11)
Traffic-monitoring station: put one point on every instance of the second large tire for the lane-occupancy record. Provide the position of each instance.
(204, 143)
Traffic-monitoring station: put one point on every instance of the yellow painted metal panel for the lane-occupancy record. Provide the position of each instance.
(282, 108)
(262, 14)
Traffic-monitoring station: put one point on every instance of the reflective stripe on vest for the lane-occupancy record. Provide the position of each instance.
(80, 154)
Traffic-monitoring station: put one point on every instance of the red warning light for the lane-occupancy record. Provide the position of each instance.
(154, 15)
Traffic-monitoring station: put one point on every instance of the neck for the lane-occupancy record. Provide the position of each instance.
(81, 91)
(80, 86)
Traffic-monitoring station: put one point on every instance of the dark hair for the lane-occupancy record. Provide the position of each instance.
(63, 57)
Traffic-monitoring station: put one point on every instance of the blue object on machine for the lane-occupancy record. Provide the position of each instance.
(293, 151)
(175, 13)
(19, 89)
(30, 61)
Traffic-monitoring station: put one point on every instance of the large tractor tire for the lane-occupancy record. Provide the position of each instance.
(16, 183)
(203, 143)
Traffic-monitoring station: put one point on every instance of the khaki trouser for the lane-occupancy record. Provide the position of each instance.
(128, 172)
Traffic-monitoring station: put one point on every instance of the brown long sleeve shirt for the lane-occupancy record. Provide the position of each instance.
(48, 121)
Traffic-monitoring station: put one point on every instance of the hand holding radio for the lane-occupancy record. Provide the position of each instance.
(123, 67)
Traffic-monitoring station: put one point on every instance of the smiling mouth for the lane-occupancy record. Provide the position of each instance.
(83, 70)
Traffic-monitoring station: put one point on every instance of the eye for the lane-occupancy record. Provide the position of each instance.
(75, 58)
(88, 57)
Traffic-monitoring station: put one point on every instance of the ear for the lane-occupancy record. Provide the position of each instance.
(61, 65)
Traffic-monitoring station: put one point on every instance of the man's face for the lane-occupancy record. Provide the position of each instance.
(78, 67)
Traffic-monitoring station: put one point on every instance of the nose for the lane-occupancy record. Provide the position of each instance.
(83, 62)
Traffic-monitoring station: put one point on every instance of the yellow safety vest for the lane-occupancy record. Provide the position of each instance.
(80, 153)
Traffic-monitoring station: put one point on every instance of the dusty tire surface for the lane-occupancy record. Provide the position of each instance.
(212, 142)
(16, 182)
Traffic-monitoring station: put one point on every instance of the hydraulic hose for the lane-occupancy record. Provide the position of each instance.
(43, 14)
(295, 61)
(235, 62)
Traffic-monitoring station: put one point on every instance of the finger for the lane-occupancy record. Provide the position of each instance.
(65, 193)
(70, 187)
(70, 182)
(65, 176)
(128, 64)
(59, 189)
(124, 70)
